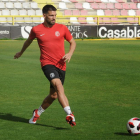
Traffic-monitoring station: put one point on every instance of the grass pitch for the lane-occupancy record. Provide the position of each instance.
(102, 85)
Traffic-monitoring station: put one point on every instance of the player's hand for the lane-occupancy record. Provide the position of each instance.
(67, 57)
(17, 55)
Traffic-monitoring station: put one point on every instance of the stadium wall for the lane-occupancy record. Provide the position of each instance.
(78, 31)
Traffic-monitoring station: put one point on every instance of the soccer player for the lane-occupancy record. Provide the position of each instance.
(50, 37)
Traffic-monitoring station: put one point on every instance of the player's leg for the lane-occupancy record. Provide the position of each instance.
(63, 101)
(49, 99)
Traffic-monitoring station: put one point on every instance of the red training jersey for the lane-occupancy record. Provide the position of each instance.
(51, 43)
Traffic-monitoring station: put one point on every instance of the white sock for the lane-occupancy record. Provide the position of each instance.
(67, 110)
(40, 111)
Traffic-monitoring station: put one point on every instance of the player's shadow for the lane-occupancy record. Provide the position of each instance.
(10, 117)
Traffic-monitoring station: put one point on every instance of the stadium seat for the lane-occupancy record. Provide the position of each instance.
(13, 0)
(26, 5)
(104, 1)
(21, 0)
(7, 13)
(9, 5)
(74, 20)
(106, 20)
(108, 12)
(118, 6)
(97, 1)
(3, 20)
(120, 1)
(84, 12)
(82, 20)
(101, 20)
(132, 20)
(131, 12)
(110, 6)
(86, 5)
(73, 1)
(138, 12)
(62, 5)
(34, 5)
(67, 12)
(90, 20)
(14, 12)
(38, 12)
(31, 12)
(66, 1)
(18, 5)
(89, 1)
(138, 5)
(2, 5)
(115, 20)
(116, 13)
(100, 12)
(94, 6)
(37, 20)
(76, 12)
(102, 6)
(124, 13)
(20, 19)
(78, 6)
(125, 6)
(112, 1)
(133, 6)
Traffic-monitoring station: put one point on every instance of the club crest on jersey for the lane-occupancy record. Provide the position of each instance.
(57, 33)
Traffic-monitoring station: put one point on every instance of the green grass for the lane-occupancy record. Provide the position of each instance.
(102, 85)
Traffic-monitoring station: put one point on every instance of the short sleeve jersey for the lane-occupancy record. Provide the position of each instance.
(51, 43)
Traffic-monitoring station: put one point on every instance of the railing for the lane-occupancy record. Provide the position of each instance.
(66, 19)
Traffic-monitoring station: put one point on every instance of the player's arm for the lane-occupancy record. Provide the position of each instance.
(68, 56)
(25, 46)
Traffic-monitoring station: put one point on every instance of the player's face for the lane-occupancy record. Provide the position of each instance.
(50, 17)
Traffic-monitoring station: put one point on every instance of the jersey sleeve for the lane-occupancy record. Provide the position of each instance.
(67, 35)
(32, 34)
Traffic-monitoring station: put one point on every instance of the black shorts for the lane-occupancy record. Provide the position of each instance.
(52, 72)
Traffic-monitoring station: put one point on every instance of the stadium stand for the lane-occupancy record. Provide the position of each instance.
(76, 11)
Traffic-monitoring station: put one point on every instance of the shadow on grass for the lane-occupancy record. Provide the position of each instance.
(10, 117)
(124, 134)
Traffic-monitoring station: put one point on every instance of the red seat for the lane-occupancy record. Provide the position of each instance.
(132, 20)
(82, 20)
(110, 6)
(78, 5)
(102, 5)
(67, 12)
(118, 5)
(116, 13)
(133, 6)
(125, 6)
(97, 1)
(114, 20)
(120, 1)
(138, 12)
(124, 13)
(106, 20)
(108, 12)
(76, 12)
(94, 6)
(84, 12)
(89, 0)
